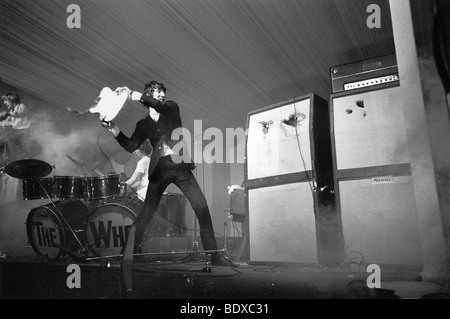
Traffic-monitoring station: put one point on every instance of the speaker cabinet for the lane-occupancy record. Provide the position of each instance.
(282, 225)
(369, 129)
(379, 220)
(374, 190)
(281, 137)
(289, 183)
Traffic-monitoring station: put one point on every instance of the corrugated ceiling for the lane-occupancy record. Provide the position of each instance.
(219, 59)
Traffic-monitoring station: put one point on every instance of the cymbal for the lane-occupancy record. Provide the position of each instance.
(28, 169)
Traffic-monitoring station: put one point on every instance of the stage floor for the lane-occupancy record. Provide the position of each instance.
(190, 276)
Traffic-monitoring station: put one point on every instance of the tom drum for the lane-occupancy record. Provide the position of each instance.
(38, 188)
(103, 187)
(70, 187)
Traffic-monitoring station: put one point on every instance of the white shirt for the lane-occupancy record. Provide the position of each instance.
(142, 167)
(22, 122)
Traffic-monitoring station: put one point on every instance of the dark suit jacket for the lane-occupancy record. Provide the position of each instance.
(156, 132)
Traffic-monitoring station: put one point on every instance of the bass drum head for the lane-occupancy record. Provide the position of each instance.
(46, 231)
(108, 226)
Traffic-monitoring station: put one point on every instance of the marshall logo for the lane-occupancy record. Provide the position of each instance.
(383, 180)
(112, 236)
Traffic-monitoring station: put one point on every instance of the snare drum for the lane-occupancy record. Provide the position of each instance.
(103, 187)
(37, 188)
(47, 231)
(70, 187)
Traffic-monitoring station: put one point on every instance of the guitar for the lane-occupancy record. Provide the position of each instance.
(108, 104)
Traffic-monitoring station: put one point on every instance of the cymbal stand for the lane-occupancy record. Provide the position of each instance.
(64, 219)
(80, 170)
(195, 242)
(225, 236)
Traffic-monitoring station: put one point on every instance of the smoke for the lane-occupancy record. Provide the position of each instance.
(56, 136)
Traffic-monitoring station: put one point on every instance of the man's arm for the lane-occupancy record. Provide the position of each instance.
(139, 172)
(4, 116)
(160, 107)
(145, 128)
(134, 180)
(20, 111)
(130, 144)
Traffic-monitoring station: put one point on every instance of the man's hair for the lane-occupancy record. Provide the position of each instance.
(152, 86)
(12, 97)
(146, 147)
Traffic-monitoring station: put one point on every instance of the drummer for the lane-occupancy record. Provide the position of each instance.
(139, 180)
(16, 116)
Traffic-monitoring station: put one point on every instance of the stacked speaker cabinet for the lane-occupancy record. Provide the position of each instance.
(373, 182)
(289, 184)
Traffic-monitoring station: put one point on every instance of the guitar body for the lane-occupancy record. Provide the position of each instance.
(109, 103)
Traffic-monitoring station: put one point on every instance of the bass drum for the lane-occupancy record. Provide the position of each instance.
(45, 228)
(108, 225)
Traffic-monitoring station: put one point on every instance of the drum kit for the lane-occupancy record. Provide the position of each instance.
(88, 218)
(68, 227)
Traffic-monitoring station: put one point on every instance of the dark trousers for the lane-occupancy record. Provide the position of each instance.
(186, 182)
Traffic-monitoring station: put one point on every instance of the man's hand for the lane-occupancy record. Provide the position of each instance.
(112, 127)
(3, 115)
(120, 89)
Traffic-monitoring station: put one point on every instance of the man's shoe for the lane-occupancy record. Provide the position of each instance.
(218, 259)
